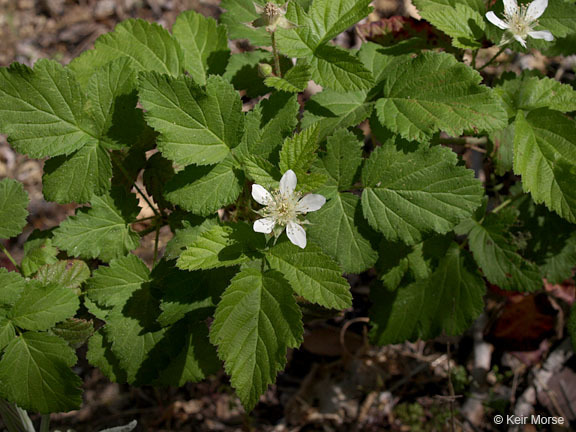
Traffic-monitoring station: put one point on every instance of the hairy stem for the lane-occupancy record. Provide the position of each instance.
(277, 70)
(10, 257)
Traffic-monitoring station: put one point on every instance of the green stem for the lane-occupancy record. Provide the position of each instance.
(45, 423)
(489, 62)
(10, 257)
(125, 173)
(276, 56)
(145, 219)
(503, 205)
(474, 55)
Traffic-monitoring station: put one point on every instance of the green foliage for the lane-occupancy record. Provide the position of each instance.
(497, 256)
(204, 43)
(447, 302)
(408, 196)
(13, 208)
(463, 21)
(545, 157)
(387, 141)
(47, 384)
(196, 125)
(103, 231)
(255, 323)
(434, 92)
(312, 274)
(40, 306)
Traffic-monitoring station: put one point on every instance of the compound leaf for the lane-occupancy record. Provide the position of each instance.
(196, 126)
(446, 302)
(410, 195)
(294, 81)
(434, 92)
(255, 323)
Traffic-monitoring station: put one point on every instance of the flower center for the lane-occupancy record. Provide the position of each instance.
(520, 24)
(283, 208)
(272, 11)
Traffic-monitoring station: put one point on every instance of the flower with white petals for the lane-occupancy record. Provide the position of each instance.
(283, 209)
(521, 20)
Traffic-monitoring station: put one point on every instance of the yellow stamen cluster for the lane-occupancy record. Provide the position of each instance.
(282, 208)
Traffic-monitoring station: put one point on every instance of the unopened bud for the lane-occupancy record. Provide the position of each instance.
(265, 70)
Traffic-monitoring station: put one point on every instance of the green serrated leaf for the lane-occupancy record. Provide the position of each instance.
(434, 92)
(75, 331)
(196, 126)
(148, 45)
(102, 231)
(37, 253)
(398, 263)
(113, 285)
(134, 334)
(332, 17)
(343, 158)
(267, 125)
(13, 208)
(298, 152)
(242, 71)
(112, 100)
(410, 195)
(11, 286)
(294, 81)
(261, 171)
(239, 13)
(529, 93)
(43, 110)
(446, 302)
(7, 332)
(100, 355)
(255, 323)
(464, 23)
(331, 110)
(77, 177)
(336, 68)
(544, 152)
(205, 44)
(195, 293)
(204, 190)
(497, 256)
(312, 274)
(222, 246)
(559, 18)
(40, 306)
(339, 229)
(197, 358)
(47, 384)
(186, 234)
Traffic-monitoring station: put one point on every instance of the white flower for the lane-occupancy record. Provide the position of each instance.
(283, 208)
(521, 20)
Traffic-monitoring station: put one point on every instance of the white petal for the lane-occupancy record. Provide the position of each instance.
(510, 7)
(536, 9)
(288, 183)
(261, 195)
(296, 234)
(521, 40)
(264, 225)
(542, 34)
(310, 203)
(491, 16)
